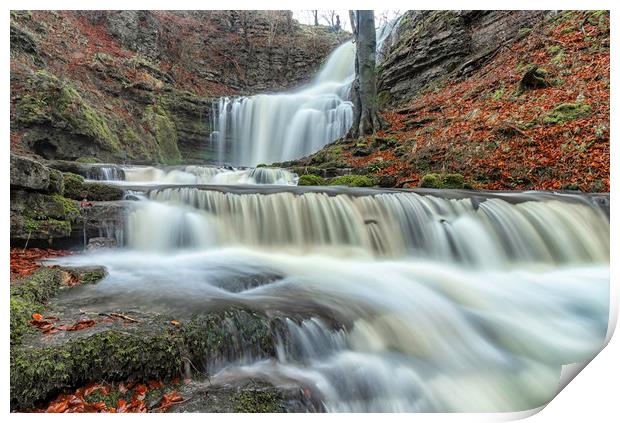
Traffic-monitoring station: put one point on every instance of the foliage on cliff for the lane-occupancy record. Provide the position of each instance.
(536, 116)
(138, 85)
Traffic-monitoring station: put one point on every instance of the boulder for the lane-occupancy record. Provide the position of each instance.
(29, 174)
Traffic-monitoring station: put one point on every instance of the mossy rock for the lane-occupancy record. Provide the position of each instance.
(443, 181)
(57, 182)
(77, 189)
(152, 348)
(55, 102)
(566, 112)
(164, 130)
(73, 185)
(310, 180)
(28, 296)
(266, 401)
(352, 181)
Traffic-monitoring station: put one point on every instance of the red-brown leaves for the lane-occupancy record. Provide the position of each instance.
(24, 262)
(168, 401)
(132, 399)
(45, 326)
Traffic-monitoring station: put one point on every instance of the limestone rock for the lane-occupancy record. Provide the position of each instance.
(28, 173)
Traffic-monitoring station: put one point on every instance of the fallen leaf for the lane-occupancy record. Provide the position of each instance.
(37, 316)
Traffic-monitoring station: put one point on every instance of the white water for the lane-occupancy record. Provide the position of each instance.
(397, 302)
(391, 302)
(269, 128)
(193, 175)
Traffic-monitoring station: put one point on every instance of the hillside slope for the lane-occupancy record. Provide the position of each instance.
(138, 85)
(528, 109)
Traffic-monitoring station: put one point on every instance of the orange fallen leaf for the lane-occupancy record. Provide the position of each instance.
(37, 316)
(175, 322)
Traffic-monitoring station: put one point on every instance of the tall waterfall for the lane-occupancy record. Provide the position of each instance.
(270, 128)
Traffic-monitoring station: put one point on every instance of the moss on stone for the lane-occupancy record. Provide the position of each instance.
(73, 184)
(28, 296)
(57, 182)
(76, 188)
(56, 102)
(257, 402)
(165, 133)
(352, 181)
(156, 351)
(566, 112)
(442, 181)
(309, 180)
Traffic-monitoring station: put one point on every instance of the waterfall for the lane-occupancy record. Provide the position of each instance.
(210, 175)
(269, 128)
(389, 300)
(390, 225)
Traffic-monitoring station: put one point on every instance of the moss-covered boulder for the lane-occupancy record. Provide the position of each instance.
(77, 189)
(442, 181)
(38, 216)
(310, 180)
(352, 181)
(148, 347)
(566, 112)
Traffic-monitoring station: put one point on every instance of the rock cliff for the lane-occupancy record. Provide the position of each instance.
(138, 85)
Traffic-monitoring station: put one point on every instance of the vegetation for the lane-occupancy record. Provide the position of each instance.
(305, 180)
(352, 181)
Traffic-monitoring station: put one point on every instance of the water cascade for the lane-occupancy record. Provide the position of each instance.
(380, 300)
(269, 128)
(210, 175)
(389, 300)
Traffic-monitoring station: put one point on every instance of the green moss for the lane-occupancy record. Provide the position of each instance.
(28, 296)
(21, 314)
(442, 181)
(37, 373)
(306, 180)
(71, 211)
(498, 94)
(383, 98)
(164, 130)
(57, 182)
(257, 402)
(77, 189)
(73, 185)
(566, 112)
(352, 181)
(56, 102)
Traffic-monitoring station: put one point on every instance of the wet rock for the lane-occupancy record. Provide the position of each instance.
(28, 173)
(100, 242)
(117, 349)
(38, 216)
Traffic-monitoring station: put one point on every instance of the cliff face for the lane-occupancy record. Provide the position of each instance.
(432, 44)
(138, 85)
(489, 100)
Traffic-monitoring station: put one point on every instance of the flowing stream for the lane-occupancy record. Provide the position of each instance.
(390, 300)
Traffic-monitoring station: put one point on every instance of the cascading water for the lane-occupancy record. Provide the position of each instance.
(271, 128)
(210, 175)
(385, 300)
(392, 301)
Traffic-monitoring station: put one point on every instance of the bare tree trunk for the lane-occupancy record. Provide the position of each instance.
(366, 119)
(316, 17)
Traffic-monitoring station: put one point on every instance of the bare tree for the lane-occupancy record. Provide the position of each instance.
(315, 13)
(366, 119)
